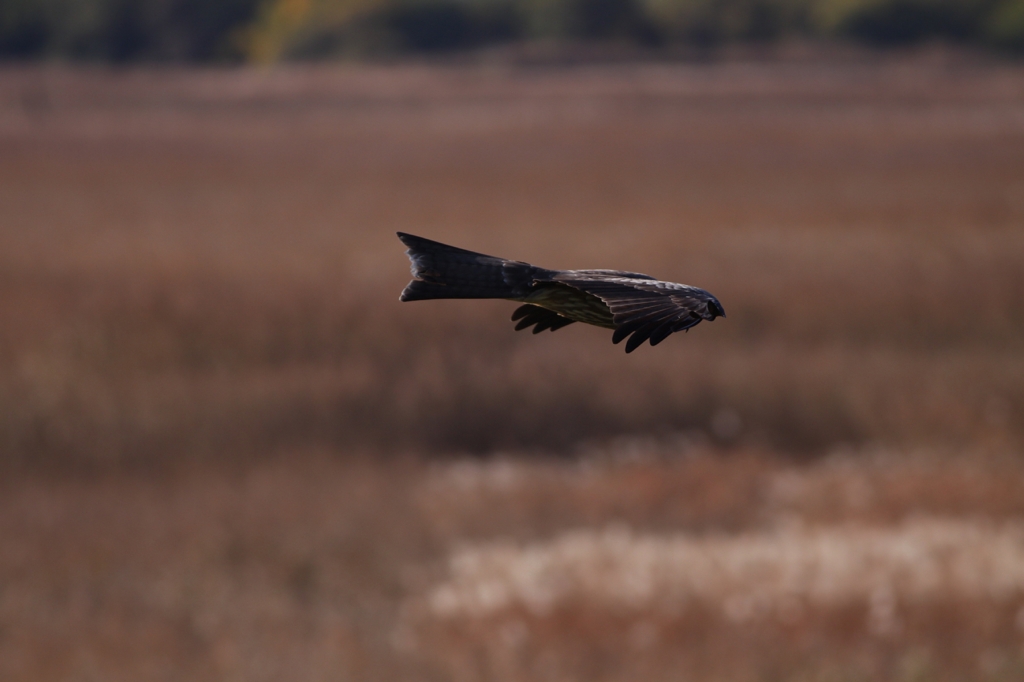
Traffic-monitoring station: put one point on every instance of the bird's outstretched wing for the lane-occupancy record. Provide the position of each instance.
(643, 308)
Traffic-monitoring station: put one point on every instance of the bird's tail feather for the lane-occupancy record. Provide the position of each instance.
(442, 271)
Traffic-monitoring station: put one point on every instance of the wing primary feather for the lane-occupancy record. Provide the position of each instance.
(641, 335)
(543, 324)
(522, 311)
(527, 321)
(632, 344)
(662, 332)
(625, 329)
(530, 315)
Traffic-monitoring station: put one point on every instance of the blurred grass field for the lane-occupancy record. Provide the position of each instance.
(228, 451)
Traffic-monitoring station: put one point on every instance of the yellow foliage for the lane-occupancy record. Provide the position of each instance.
(267, 39)
(827, 15)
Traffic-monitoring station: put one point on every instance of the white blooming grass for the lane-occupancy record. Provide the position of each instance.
(778, 571)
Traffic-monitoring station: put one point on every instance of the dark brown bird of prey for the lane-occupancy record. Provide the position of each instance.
(634, 305)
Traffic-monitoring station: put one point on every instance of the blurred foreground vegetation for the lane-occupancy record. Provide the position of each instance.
(270, 30)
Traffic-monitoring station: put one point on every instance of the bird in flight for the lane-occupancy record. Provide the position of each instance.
(634, 305)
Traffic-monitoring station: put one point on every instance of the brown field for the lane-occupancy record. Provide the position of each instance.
(228, 452)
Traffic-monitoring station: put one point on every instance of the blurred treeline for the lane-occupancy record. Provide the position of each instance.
(269, 30)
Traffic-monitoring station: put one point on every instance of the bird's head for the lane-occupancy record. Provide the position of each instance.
(714, 309)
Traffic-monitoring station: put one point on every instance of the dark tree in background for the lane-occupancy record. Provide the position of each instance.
(123, 30)
(25, 28)
(905, 22)
(609, 19)
(208, 30)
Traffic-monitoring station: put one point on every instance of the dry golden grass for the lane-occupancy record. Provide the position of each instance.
(228, 452)
(315, 568)
(205, 263)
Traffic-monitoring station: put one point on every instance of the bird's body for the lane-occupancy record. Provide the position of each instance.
(634, 305)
